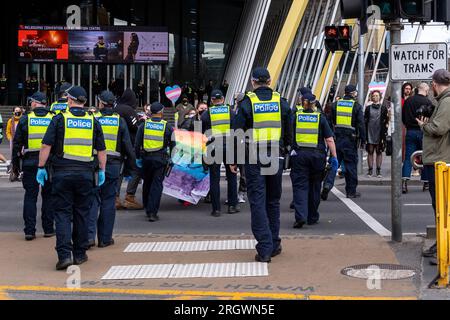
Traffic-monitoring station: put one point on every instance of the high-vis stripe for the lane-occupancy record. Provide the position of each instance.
(154, 135)
(37, 127)
(266, 118)
(78, 137)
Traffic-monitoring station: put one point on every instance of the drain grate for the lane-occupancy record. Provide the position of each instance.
(379, 271)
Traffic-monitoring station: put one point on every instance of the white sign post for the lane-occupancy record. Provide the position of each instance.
(417, 61)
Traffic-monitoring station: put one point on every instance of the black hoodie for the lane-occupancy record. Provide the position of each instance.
(126, 108)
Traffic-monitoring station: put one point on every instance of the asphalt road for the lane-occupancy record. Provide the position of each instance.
(336, 217)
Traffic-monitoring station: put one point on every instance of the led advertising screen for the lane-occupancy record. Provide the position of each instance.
(113, 45)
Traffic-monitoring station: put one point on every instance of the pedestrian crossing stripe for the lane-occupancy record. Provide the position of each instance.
(184, 271)
(191, 246)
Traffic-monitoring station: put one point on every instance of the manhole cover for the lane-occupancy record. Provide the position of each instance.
(379, 271)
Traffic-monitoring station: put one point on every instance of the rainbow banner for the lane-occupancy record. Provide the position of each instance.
(188, 180)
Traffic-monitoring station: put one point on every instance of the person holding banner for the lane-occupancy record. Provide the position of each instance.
(153, 140)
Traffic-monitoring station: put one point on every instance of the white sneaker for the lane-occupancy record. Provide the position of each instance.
(241, 197)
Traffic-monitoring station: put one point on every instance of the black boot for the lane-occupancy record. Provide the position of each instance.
(405, 187)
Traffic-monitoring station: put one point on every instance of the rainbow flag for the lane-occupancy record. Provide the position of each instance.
(188, 180)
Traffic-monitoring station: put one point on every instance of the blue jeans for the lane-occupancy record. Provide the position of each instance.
(72, 193)
(214, 171)
(306, 175)
(264, 194)
(413, 143)
(31, 187)
(347, 152)
(105, 201)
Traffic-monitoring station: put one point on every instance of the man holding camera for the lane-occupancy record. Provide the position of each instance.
(415, 107)
(436, 135)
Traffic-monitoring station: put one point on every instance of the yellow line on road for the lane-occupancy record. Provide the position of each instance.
(190, 294)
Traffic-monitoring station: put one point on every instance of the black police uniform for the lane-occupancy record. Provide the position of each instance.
(154, 167)
(106, 194)
(347, 144)
(264, 192)
(214, 169)
(72, 189)
(307, 169)
(30, 163)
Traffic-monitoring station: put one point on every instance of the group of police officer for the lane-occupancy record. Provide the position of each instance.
(77, 158)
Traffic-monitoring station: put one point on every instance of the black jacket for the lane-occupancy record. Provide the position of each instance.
(410, 109)
(126, 108)
(384, 121)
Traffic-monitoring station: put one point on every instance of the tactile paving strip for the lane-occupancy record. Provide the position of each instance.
(191, 246)
(177, 271)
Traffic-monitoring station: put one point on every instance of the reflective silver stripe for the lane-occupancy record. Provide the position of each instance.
(78, 142)
(113, 153)
(31, 150)
(308, 145)
(77, 158)
(153, 149)
(111, 137)
(307, 131)
(36, 136)
(219, 122)
(153, 138)
(344, 114)
(267, 125)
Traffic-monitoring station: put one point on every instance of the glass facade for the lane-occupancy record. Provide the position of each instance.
(201, 35)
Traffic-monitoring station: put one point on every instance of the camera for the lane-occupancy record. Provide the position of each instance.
(425, 111)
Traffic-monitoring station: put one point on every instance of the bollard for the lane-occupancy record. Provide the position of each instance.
(442, 224)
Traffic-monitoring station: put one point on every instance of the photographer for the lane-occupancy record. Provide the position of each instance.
(436, 131)
(414, 107)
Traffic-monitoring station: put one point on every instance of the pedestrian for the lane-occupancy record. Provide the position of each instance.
(153, 148)
(118, 148)
(25, 158)
(140, 92)
(348, 121)
(268, 116)
(376, 117)
(182, 110)
(209, 88)
(3, 89)
(216, 124)
(69, 144)
(126, 108)
(12, 125)
(308, 161)
(224, 87)
(436, 137)
(414, 135)
(61, 104)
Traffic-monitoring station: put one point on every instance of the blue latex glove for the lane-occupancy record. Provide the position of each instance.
(139, 163)
(41, 176)
(334, 163)
(101, 178)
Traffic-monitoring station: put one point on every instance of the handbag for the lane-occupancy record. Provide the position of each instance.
(389, 146)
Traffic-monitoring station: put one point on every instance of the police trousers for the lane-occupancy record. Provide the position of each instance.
(153, 172)
(347, 152)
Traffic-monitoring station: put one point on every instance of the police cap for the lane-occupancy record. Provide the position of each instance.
(156, 107)
(350, 89)
(309, 96)
(64, 87)
(261, 75)
(304, 90)
(39, 97)
(216, 94)
(78, 94)
(107, 97)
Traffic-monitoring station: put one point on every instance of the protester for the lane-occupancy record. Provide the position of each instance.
(376, 118)
(12, 125)
(183, 110)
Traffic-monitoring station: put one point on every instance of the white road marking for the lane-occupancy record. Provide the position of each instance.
(191, 246)
(417, 204)
(363, 215)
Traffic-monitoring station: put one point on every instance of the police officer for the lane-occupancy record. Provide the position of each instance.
(71, 139)
(153, 141)
(118, 146)
(27, 143)
(348, 121)
(61, 105)
(268, 116)
(308, 159)
(216, 123)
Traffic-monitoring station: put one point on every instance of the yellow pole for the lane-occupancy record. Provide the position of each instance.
(286, 39)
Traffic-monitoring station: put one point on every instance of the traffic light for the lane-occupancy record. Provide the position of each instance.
(413, 10)
(388, 9)
(353, 9)
(338, 38)
(442, 11)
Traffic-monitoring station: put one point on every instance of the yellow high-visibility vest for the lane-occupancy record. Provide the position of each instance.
(78, 137)
(177, 117)
(58, 107)
(344, 114)
(37, 127)
(220, 120)
(307, 131)
(154, 135)
(299, 108)
(266, 118)
(110, 126)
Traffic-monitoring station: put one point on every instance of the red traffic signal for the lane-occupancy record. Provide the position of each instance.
(331, 32)
(344, 32)
(338, 38)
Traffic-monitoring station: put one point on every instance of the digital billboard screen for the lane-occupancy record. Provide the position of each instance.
(113, 45)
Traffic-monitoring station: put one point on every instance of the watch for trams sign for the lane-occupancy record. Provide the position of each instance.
(417, 61)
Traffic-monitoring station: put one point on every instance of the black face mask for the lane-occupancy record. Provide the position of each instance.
(18, 114)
